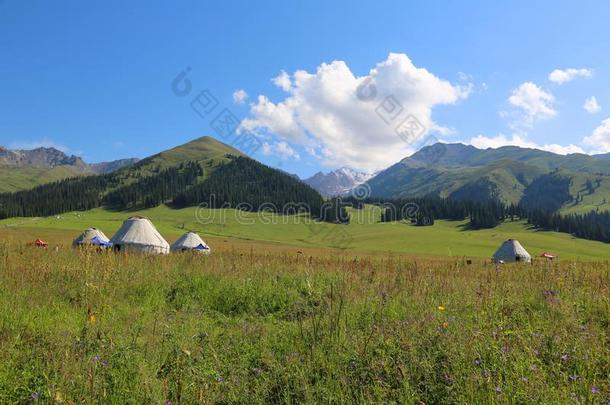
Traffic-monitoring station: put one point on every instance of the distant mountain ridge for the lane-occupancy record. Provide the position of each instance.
(38, 157)
(338, 182)
(21, 169)
(508, 174)
(204, 170)
(114, 165)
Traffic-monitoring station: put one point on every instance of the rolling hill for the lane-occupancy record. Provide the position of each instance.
(198, 171)
(513, 175)
(25, 169)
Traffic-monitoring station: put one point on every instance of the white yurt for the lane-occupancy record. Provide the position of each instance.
(138, 234)
(190, 241)
(91, 236)
(512, 251)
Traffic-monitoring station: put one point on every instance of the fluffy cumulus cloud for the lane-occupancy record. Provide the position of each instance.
(591, 106)
(282, 81)
(599, 140)
(561, 76)
(280, 149)
(240, 96)
(355, 121)
(484, 142)
(530, 103)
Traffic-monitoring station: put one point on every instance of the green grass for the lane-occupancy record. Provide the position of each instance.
(364, 235)
(247, 327)
(22, 178)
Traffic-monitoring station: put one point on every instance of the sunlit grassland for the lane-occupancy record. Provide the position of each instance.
(364, 235)
(250, 327)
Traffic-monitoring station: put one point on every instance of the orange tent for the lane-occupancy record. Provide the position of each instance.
(41, 243)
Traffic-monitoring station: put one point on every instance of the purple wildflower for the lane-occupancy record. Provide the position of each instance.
(477, 361)
(504, 349)
(168, 402)
(486, 373)
(498, 390)
(594, 390)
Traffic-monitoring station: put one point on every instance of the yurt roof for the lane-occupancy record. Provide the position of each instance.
(89, 234)
(511, 247)
(189, 240)
(139, 231)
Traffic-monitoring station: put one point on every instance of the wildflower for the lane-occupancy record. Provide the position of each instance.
(504, 349)
(34, 396)
(564, 357)
(525, 380)
(477, 362)
(445, 324)
(498, 390)
(91, 319)
(168, 402)
(486, 374)
(573, 377)
(594, 390)
(441, 308)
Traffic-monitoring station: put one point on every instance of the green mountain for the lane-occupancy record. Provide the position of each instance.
(187, 175)
(25, 169)
(572, 183)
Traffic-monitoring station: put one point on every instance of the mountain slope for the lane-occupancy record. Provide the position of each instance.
(25, 169)
(338, 182)
(112, 166)
(507, 174)
(162, 178)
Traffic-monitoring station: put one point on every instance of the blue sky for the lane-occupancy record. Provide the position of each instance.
(94, 78)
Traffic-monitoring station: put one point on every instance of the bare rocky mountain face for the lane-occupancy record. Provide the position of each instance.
(52, 157)
(39, 157)
(338, 182)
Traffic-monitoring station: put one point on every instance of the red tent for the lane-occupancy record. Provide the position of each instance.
(41, 243)
(547, 255)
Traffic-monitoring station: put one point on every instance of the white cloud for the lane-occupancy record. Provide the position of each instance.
(561, 76)
(484, 142)
(240, 96)
(591, 106)
(335, 115)
(281, 149)
(599, 140)
(282, 81)
(531, 103)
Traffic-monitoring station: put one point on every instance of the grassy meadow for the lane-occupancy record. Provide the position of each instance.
(245, 326)
(289, 311)
(365, 235)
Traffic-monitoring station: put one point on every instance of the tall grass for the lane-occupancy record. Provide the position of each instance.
(245, 327)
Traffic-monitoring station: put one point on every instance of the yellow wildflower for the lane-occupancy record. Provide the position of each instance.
(441, 308)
